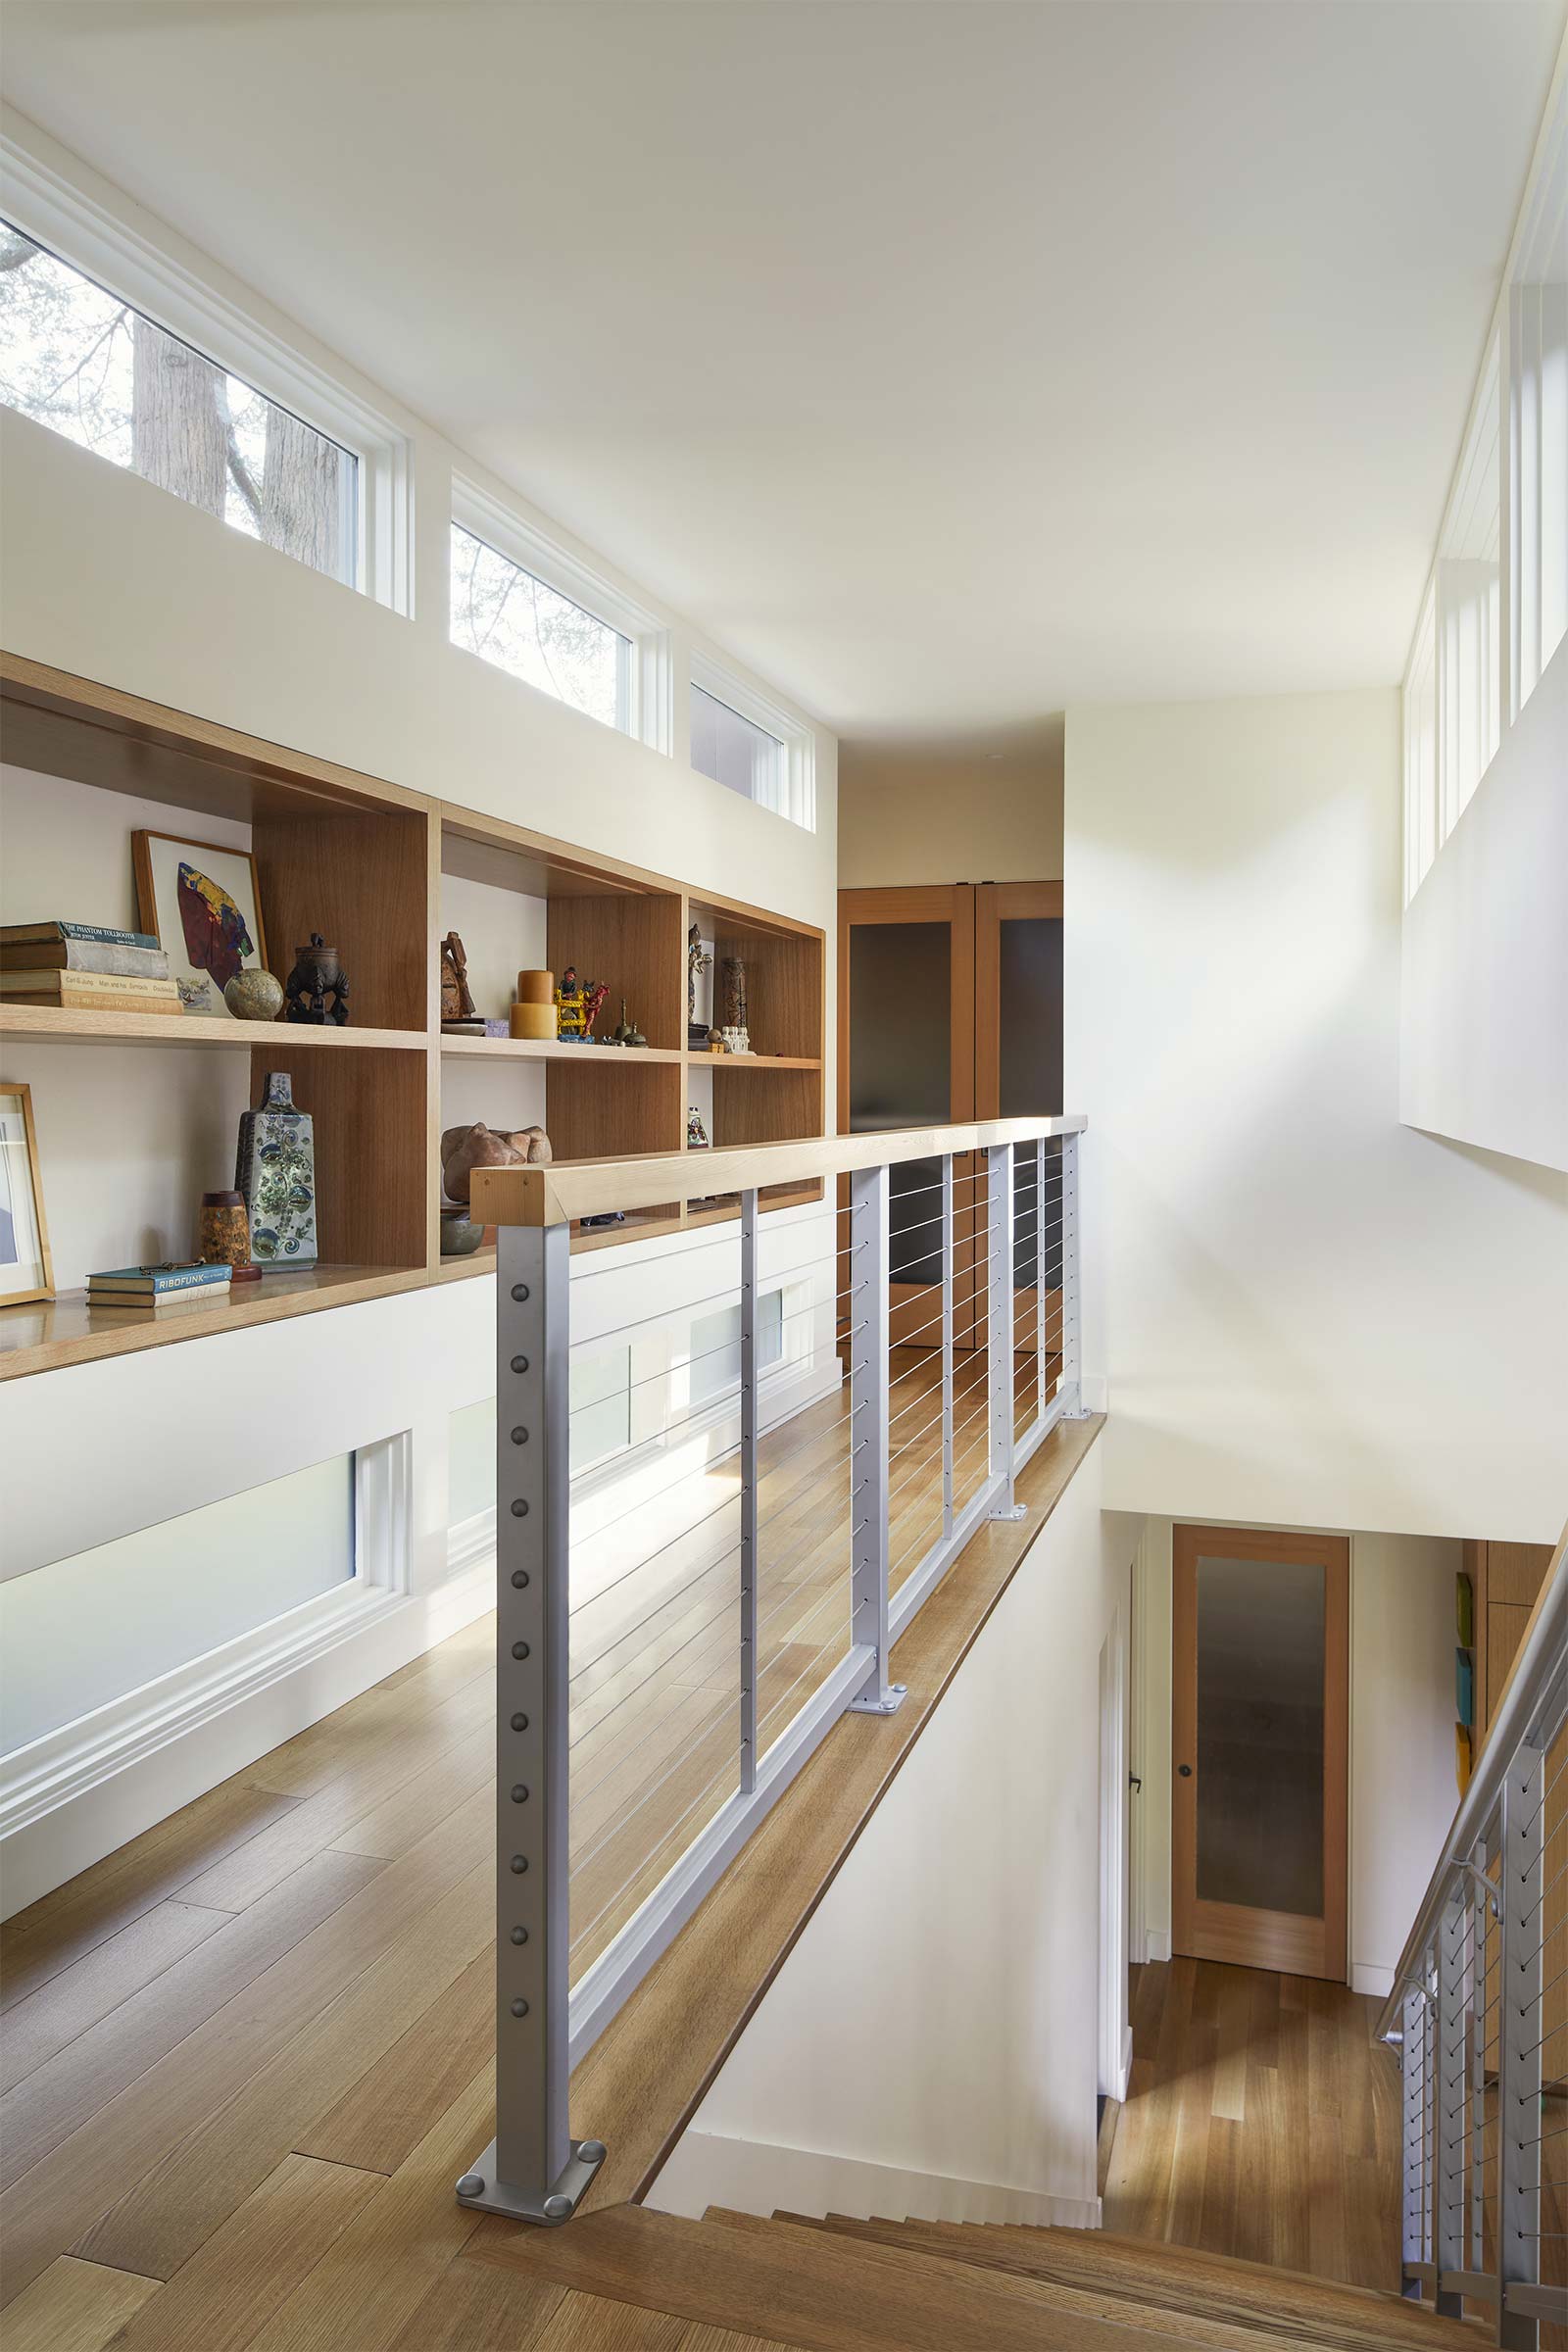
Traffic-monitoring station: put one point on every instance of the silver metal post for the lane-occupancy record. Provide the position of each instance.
(1040, 1276)
(869, 1431)
(998, 1325)
(1071, 1390)
(947, 1343)
(1481, 1901)
(1519, 2012)
(533, 2170)
(1448, 2136)
(749, 1560)
(1413, 2070)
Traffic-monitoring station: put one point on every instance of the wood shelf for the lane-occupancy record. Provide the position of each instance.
(754, 1062)
(544, 1048)
(363, 861)
(67, 1330)
(61, 1024)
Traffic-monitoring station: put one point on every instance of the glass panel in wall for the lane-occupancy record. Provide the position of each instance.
(901, 982)
(82, 1632)
(503, 614)
(733, 750)
(78, 359)
(1260, 1670)
(470, 1461)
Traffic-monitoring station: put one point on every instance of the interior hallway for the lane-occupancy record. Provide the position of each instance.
(1262, 2120)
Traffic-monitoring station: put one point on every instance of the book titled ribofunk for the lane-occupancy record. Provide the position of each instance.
(160, 1282)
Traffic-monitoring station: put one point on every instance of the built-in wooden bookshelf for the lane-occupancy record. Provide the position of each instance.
(366, 862)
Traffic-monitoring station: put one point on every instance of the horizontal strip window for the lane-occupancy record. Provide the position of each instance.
(748, 745)
(511, 617)
(89, 366)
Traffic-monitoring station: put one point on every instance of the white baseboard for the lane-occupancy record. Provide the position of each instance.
(751, 2177)
(1156, 1943)
(73, 1796)
(1365, 1976)
(1124, 2072)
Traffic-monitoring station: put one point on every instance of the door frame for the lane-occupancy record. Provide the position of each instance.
(1234, 1933)
(996, 904)
(951, 904)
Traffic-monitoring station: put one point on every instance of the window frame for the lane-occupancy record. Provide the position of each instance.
(648, 704)
(87, 238)
(797, 800)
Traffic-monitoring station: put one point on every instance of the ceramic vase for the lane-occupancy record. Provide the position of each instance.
(276, 1173)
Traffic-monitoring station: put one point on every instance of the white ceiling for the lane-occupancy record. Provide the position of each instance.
(948, 362)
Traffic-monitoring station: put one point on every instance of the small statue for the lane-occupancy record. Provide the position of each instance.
(697, 961)
(577, 1006)
(624, 1033)
(696, 1132)
(735, 992)
(457, 1003)
(317, 975)
(465, 1149)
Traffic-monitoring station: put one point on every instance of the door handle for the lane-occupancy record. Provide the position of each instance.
(1133, 1782)
(1185, 1771)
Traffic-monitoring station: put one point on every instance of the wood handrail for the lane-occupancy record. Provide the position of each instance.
(556, 1195)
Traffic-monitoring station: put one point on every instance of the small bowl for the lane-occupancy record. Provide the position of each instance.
(460, 1235)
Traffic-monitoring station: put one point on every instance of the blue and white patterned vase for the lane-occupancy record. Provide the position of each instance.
(276, 1173)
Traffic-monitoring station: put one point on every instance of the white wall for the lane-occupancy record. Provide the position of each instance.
(1313, 1315)
(909, 815)
(1403, 1789)
(929, 2047)
(1484, 1005)
(109, 579)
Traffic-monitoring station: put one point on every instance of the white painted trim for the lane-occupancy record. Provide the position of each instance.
(1156, 1943)
(506, 533)
(84, 233)
(1377, 1982)
(78, 1793)
(751, 2177)
(727, 686)
(1126, 2067)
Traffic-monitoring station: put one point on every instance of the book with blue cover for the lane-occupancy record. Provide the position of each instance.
(161, 1281)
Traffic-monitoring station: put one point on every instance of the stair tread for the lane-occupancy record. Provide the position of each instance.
(1148, 2275)
(844, 2299)
(1079, 2307)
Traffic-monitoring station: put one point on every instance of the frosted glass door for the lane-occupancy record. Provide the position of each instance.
(1258, 1754)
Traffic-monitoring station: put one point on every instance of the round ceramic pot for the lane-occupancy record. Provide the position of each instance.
(253, 996)
(224, 1233)
(460, 1235)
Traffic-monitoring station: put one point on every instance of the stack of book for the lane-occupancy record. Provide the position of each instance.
(170, 1290)
(87, 967)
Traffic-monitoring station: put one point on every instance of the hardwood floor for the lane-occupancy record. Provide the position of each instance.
(1262, 2121)
(254, 2047)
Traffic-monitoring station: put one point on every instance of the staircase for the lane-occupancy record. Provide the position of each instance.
(746, 2284)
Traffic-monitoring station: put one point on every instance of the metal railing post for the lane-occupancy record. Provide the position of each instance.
(1448, 2133)
(1519, 2011)
(749, 1562)
(870, 1194)
(1483, 1907)
(1413, 2085)
(948, 1255)
(998, 1325)
(533, 2170)
(1072, 1387)
(1039, 1277)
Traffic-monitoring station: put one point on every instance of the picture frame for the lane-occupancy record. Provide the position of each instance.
(27, 1269)
(202, 903)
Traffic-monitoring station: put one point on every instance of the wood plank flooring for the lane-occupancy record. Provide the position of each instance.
(1262, 2121)
(254, 2046)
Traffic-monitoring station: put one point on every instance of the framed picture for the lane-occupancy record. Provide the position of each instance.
(26, 1270)
(202, 905)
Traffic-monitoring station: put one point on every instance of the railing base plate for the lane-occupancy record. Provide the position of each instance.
(1009, 1511)
(874, 1704)
(480, 2191)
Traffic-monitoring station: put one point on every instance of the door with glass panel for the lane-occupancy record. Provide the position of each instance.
(906, 1059)
(1017, 1075)
(1260, 1673)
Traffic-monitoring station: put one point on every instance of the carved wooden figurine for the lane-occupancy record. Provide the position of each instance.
(457, 1003)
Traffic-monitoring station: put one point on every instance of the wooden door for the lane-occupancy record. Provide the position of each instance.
(1259, 1727)
(906, 1059)
(1018, 1074)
